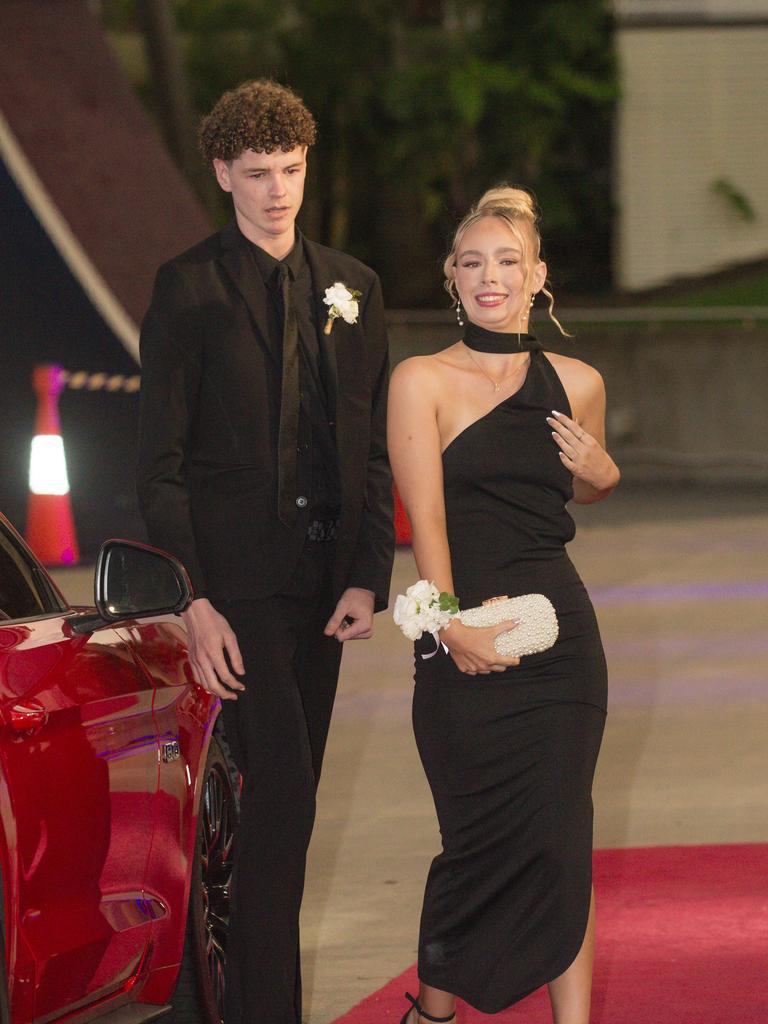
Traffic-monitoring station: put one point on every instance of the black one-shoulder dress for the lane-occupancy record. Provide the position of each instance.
(510, 757)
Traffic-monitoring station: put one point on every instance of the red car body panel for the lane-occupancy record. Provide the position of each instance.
(187, 714)
(97, 831)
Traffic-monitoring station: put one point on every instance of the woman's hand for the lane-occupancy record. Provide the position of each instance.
(471, 647)
(582, 454)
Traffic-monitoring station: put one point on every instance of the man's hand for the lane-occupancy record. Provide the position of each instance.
(209, 636)
(353, 618)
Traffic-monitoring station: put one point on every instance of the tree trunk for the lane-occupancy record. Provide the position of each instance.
(174, 107)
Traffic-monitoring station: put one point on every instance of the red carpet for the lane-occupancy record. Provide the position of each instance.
(682, 939)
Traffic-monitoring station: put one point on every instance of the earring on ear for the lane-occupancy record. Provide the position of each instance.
(459, 312)
(533, 298)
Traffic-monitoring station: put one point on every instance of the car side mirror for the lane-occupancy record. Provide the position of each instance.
(134, 580)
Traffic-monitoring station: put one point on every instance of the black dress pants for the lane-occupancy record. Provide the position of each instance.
(277, 730)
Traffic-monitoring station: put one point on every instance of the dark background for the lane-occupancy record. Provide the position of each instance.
(46, 317)
(421, 106)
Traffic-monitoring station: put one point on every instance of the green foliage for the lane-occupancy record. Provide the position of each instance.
(448, 602)
(118, 15)
(421, 106)
(738, 287)
(553, 133)
(736, 199)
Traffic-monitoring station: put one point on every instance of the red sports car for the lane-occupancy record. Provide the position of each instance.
(118, 799)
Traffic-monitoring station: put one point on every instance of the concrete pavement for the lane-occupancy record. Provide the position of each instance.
(680, 582)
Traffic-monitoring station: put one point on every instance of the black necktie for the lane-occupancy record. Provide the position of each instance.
(289, 407)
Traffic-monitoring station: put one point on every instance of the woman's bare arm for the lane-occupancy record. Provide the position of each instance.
(581, 439)
(415, 454)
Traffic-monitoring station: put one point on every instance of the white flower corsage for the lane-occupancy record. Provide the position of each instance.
(341, 301)
(424, 609)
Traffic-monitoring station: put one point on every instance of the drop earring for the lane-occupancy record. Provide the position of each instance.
(459, 312)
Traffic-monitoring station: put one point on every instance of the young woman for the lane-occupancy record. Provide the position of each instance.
(489, 440)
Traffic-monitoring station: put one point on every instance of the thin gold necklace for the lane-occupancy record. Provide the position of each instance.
(497, 383)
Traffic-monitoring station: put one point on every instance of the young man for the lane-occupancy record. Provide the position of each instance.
(263, 467)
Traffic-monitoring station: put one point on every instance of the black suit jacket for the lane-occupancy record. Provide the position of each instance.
(210, 408)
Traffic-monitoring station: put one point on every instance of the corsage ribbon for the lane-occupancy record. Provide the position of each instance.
(438, 644)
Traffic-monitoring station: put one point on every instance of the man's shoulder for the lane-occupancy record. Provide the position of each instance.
(199, 254)
(339, 263)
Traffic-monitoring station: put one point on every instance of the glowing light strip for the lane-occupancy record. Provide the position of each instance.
(60, 233)
(48, 466)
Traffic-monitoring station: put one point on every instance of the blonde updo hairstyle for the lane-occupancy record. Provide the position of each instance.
(517, 208)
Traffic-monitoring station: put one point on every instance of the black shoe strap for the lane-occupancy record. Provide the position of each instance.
(427, 1016)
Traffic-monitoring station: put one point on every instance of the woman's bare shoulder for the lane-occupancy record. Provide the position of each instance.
(421, 371)
(576, 372)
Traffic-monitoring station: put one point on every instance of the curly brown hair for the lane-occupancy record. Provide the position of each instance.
(260, 115)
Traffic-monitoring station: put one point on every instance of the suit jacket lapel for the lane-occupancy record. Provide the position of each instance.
(238, 263)
(340, 350)
(322, 279)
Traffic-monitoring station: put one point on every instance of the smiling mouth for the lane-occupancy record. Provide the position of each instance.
(490, 299)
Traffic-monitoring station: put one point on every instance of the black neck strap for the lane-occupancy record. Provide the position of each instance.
(482, 340)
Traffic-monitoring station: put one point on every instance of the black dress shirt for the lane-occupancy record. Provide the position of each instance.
(316, 437)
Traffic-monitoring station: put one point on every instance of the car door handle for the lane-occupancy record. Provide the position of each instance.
(27, 717)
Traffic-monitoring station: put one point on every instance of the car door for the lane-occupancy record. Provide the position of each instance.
(184, 718)
(79, 757)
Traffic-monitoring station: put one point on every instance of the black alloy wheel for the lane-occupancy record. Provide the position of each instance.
(216, 847)
(199, 995)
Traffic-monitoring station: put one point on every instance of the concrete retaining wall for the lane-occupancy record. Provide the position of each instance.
(687, 402)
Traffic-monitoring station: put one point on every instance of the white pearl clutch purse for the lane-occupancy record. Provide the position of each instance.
(536, 632)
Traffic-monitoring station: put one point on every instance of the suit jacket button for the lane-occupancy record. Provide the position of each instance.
(301, 501)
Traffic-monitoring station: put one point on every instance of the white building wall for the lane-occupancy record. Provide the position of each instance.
(690, 8)
(694, 109)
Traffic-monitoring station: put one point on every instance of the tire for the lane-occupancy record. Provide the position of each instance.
(199, 994)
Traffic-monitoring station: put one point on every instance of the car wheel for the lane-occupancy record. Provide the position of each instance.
(199, 994)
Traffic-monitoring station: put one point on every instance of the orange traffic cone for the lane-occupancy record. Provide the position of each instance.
(50, 529)
(402, 524)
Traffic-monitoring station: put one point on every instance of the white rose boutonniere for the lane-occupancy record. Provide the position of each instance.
(424, 609)
(341, 301)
